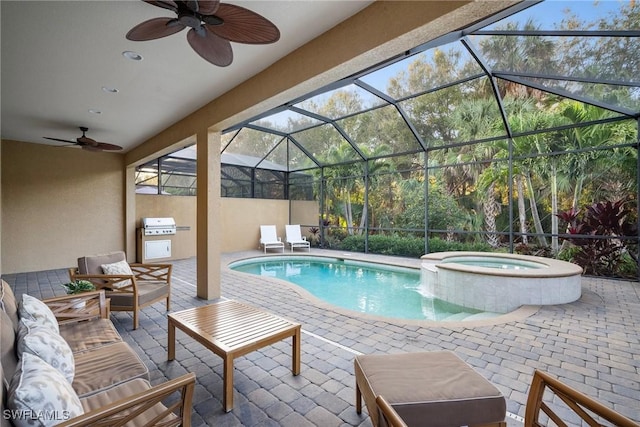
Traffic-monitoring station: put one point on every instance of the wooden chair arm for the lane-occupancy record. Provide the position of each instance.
(109, 281)
(389, 414)
(128, 408)
(582, 405)
(146, 272)
(78, 307)
(150, 265)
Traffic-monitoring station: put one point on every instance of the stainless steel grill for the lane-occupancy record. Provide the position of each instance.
(158, 226)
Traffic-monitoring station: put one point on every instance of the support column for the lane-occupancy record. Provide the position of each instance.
(130, 236)
(208, 216)
(0, 206)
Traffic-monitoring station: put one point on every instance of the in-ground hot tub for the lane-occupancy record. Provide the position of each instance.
(499, 282)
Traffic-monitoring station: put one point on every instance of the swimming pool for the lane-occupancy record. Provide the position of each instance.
(365, 287)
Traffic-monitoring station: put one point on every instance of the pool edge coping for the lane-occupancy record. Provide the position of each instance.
(555, 267)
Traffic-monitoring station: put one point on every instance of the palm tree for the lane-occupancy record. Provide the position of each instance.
(523, 117)
(581, 138)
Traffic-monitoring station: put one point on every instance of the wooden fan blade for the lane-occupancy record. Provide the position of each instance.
(165, 4)
(208, 7)
(244, 26)
(60, 140)
(211, 47)
(86, 140)
(154, 29)
(107, 147)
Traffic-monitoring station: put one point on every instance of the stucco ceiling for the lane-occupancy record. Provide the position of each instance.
(58, 55)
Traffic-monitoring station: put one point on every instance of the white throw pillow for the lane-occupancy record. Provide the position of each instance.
(120, 267)
(48, 346)
(34, 312)
(41, 394)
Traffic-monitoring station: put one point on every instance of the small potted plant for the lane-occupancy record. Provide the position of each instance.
(78, 287)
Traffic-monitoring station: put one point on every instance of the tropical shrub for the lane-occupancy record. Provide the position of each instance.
(440, 245)
(412, 247)
(605, 237)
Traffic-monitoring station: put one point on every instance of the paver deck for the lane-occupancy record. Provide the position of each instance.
(593, 344)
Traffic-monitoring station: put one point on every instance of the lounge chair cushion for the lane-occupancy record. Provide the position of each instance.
(93, 264)
(34, 312)
(48, 346)
(148, 291)
(428, 387)
(37, 386)
(105, 367)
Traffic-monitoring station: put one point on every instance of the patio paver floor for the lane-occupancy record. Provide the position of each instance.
(592, 344)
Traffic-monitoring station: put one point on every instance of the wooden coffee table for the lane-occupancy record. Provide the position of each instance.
(231, 329)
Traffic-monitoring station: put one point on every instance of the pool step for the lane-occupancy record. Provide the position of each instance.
(456, 317)
(469, 316)
(483, 315)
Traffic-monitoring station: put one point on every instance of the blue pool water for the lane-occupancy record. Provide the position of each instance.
(364, 287)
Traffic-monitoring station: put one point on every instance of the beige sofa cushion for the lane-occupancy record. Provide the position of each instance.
(106, 366)
(9, 323)
(9, 356)
(84, 336)
(9, 304)
(129, 388)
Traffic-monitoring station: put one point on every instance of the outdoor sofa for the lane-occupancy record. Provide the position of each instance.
(64, 362)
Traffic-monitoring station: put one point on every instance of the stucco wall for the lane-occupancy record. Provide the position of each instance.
(241, 219)
(58, 204)
(305, 213)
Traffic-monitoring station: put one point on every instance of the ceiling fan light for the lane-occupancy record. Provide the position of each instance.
(189, 20)
(133, 56)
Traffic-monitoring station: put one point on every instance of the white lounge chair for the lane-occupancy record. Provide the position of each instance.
(269, 238)
(295, 239)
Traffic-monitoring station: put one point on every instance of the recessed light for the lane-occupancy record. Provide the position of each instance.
(109, 89)
(132, 55)
(94, 111)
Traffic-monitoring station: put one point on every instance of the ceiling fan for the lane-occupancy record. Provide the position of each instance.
(213, 26)
(87, 143)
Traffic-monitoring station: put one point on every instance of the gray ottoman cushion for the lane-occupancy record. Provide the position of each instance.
(429, 389)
